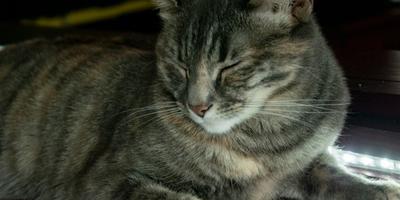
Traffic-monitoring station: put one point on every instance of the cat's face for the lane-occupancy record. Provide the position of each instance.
(221, 60)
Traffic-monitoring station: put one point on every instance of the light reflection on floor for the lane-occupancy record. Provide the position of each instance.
(370, 166)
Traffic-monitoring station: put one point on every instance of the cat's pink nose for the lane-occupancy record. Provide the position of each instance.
(200, 109)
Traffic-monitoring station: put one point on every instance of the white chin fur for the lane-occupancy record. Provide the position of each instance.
(211, 125)
(218, 126)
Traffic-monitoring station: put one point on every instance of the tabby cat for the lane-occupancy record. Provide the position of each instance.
(240, 101)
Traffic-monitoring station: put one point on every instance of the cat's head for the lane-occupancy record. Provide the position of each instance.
(222, 59)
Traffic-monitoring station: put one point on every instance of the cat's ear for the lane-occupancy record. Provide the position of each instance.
(168, 8)
(302, 9)
(298, 10)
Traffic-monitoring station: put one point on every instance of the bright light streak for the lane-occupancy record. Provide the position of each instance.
(398, 165)
(387, 164)
(367, 161)
(349, 158)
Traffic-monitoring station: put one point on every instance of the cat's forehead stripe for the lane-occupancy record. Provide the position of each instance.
(204, 30)
(200, 42)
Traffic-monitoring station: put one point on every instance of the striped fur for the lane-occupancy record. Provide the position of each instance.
(106, 121)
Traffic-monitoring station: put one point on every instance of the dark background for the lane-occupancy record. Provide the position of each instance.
(365, 35)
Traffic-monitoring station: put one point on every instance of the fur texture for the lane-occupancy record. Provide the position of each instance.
(240, 101)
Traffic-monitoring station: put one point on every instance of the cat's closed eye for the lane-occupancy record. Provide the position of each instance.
(226, 70)
(184, 71)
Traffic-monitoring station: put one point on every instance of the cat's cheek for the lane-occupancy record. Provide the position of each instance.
(177, 91)
(174, 81)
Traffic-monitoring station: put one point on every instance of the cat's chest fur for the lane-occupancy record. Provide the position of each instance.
(217, 158)
(246, 171)
(231, 164)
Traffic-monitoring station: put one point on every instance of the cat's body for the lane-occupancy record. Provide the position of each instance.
(103, 121)
(72, 96)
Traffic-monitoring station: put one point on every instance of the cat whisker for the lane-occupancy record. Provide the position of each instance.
(159, 118)
(296, 107)
(285, 116)
(146, 108)
(319, 105)
(149, 108)
(134, 111)
(306, 103)
(305, 100)
(153, 113)
(293, 106)
(303, 112)
(303, 122)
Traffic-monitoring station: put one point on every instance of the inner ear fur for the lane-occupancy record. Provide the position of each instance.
(300, 10)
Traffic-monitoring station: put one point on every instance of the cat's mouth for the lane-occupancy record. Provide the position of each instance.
(213, 124)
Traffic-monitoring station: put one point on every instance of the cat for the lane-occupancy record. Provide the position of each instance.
(240, 100)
